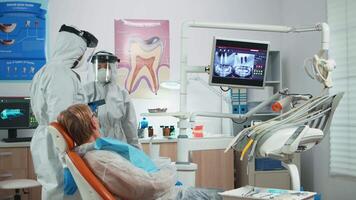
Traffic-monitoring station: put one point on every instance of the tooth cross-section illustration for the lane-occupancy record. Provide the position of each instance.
(145, 58)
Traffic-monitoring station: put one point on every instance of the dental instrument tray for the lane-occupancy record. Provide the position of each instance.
(157, 110)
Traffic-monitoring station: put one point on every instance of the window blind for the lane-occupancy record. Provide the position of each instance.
(342, 21)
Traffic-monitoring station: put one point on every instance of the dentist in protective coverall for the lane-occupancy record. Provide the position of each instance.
(55, 87)
(117, 116)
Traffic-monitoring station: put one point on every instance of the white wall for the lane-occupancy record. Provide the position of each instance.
(315, 163)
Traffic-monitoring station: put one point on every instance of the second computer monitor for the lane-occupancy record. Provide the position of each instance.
(239, 63)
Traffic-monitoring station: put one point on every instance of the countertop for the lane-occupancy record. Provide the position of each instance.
(141, 140)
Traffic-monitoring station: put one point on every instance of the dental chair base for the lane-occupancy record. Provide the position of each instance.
(284, 143)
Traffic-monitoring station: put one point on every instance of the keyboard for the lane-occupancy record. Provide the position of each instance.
(21, 139)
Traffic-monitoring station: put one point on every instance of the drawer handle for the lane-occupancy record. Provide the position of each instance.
(5, 175)
(5, 153)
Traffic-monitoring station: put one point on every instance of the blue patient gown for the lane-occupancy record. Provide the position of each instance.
(137, 157)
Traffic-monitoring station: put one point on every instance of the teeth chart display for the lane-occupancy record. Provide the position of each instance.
(22, 40)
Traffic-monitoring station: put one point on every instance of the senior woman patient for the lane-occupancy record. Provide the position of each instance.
(126, 171)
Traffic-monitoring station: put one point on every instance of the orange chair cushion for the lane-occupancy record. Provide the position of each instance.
(66, 136)
(89, 176)
(82, 166)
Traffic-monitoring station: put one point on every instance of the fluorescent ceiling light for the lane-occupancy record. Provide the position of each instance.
(171, 85)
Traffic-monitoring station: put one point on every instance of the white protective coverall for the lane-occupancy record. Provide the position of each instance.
(54, 87)
(117, 116)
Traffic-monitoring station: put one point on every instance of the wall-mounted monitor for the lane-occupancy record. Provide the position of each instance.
(239, 63)
(16, 113)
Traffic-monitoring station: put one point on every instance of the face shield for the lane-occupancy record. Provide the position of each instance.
(103, 63)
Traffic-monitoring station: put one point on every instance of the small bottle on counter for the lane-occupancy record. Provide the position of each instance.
(172, 130)
(150, 131)
(161, 130)
(166, 131)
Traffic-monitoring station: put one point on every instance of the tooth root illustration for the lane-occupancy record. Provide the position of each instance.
(144, 67)
(145, 57)
(7, 28)
(27, 23)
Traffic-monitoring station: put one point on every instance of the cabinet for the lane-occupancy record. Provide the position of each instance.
(16, 163)
(166, 149)
(215, 168)
(247, 174)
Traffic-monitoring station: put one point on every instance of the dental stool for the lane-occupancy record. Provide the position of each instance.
(17, 185)
(89, 186)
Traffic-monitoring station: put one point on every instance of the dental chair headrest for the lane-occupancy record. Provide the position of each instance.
(63, 143)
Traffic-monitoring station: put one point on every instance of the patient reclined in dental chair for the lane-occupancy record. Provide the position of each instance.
(124, 171)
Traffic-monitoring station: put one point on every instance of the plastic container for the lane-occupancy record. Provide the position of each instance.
(143, 123)
(198, 131)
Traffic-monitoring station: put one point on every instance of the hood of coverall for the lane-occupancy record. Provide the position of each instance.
(68, 48)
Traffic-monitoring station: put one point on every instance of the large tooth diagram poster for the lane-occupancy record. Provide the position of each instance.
(22, 38)
(143, 49)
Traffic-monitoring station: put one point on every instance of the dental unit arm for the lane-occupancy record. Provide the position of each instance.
(314, 113)
(322, 66)
(186, 120)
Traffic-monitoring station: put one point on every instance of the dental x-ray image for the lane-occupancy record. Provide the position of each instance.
(223, 63)
(231, 63)
(243, 64)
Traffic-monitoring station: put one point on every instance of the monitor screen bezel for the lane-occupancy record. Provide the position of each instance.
(29, 113)
(237, 85)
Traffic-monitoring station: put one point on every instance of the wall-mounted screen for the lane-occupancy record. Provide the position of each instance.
(238, 63)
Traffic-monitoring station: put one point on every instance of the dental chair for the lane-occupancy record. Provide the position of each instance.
(294, 131)
(89, 186)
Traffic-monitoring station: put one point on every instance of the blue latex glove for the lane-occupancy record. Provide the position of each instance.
(69, 185)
